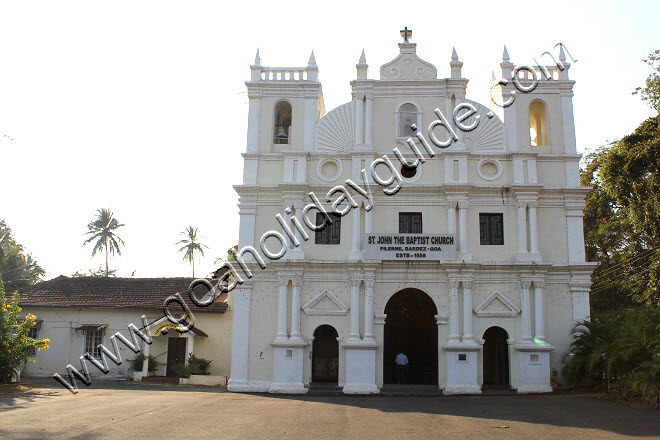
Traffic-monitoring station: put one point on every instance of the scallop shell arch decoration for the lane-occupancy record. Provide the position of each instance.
(489, 134)
(335, 130)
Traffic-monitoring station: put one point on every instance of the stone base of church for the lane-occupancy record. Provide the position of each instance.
(245, 386)
(287, 388)
(360, 367)
(462, 389)
(528, 389)
(534, 368)
(462, 368)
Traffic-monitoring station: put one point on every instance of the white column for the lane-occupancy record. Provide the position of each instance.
(451, 218)
(355, 310)
(454, 334)
(145, 363)
(355, 249)
(533, 229)
(240, 339)
(295, 309)
(368, 221)
(468, 332)
(190, 345)
(462, 226)
(368, 122)
(299, 212)
(539, 323)
(247, 210)
(369, 309)
(525, 313)
(522, 227)
(287, 239)
(359, 109)
(253, 124)
(281, 309)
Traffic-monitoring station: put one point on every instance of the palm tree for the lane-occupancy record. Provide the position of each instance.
(103, 235)
(190, 246)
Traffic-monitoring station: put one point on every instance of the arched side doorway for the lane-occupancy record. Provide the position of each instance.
(325, 355)
(411, 329)
(496, 357)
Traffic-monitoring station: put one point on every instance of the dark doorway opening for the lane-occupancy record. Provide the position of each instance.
(411, 329)
(325, 355)
(496, 357)
(176, 355)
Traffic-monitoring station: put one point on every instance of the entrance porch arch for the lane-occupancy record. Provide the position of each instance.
(496, 357)
(411, 329)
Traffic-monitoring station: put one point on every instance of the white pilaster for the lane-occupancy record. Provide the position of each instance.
(368, 122)
(525, 312)
(468, 332)
(295, 309)
(368, 221)
(539, 324)
(462, 230)
(355, 311)
(369, 310)
(355, 247)
(281, 310)
(522, 228)
(454, 334)
(240, 339)
(533, 229)
(359, 121)
(254, 113)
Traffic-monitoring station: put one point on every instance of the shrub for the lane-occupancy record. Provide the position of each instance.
(182, 371)
(624, 347)
(138, 361)
(15, 345)
(198, 365)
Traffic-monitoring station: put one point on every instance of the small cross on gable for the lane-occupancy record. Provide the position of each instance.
(406, 34)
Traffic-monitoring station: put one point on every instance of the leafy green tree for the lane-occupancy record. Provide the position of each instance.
(231, 255)
(651, 92)
(191, 244)
(102, 234)
(99, 272)
(16, 346)
(17, 269)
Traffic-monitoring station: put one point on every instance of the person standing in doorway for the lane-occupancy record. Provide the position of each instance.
(401, 368)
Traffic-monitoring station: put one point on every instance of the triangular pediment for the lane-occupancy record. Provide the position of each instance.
(496, 305)
(325, 303)
(408, 66)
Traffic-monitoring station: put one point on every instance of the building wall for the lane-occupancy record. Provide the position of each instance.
(67, 344)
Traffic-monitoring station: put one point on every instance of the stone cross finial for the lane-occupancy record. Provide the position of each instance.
(406, 33)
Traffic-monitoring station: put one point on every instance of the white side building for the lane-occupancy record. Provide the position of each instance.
(475, 268)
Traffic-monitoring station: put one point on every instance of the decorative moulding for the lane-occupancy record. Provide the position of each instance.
(408, 66)
(315, 306)
(510, 309)
(327, 178)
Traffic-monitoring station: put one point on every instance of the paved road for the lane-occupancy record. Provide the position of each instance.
(147, 411)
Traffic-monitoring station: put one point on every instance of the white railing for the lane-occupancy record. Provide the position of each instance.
(284, 74)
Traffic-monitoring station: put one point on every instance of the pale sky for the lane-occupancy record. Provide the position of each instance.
(140, 106)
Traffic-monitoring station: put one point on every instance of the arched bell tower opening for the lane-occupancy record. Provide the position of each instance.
(496, 357)
(325, 355)
(282, 122)
(411, 329)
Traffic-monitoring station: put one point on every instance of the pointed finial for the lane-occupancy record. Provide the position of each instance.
(505, 55)
(363, 58)
(562, 55)
(257, 59)
(454, 55)
(492, 76)
(312, 60)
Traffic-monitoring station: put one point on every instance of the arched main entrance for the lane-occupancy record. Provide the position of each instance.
(411, 329)
(325, 355)
(496, 357)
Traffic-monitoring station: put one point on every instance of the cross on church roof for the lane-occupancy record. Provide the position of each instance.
(406, 33)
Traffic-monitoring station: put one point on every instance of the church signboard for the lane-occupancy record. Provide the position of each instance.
(410, 247)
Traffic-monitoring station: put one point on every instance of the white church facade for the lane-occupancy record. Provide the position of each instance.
(463, 249)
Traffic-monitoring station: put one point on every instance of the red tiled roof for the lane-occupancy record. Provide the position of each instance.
(112, 293)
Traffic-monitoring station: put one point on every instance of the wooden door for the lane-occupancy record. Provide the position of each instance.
(176, 355)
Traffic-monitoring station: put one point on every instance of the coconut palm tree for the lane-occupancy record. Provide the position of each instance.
(191, 244)
(102, 231)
